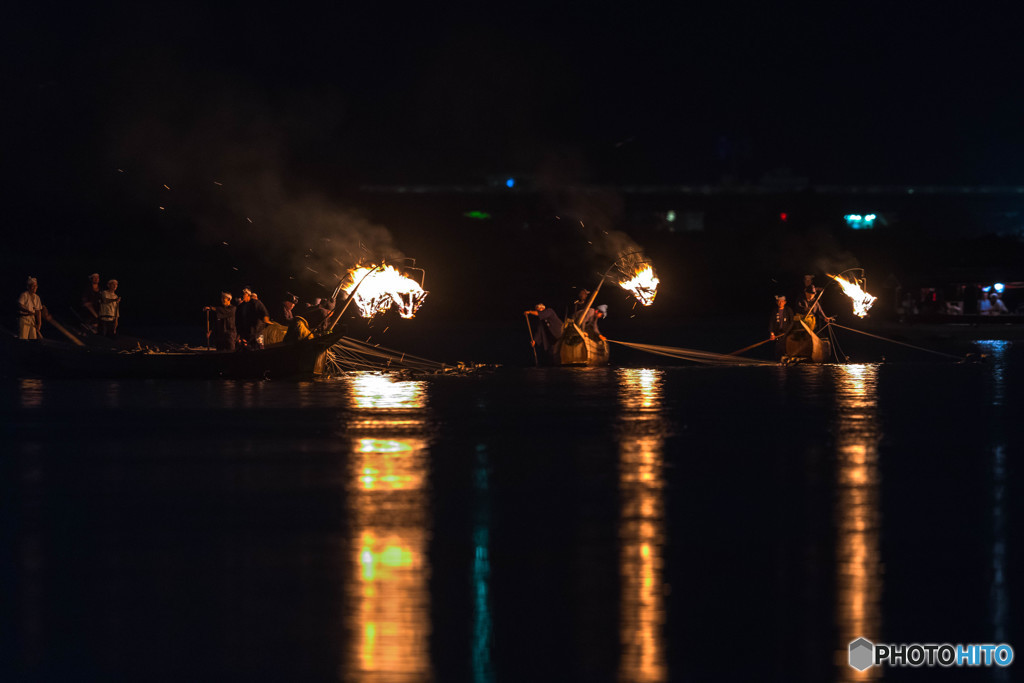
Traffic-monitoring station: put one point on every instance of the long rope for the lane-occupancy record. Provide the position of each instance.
(693, 354)
(868, 334)
(349, 354)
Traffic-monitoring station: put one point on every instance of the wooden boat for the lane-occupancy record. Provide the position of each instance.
(804, 346)
(577, 348)
(48, 358)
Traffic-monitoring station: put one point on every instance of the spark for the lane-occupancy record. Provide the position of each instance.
(166, 187)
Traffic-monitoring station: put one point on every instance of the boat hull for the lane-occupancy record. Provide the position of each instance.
(805, 346)
(302, 359)
(576, 348)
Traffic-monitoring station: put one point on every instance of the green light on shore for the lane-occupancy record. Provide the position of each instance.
(478, 215)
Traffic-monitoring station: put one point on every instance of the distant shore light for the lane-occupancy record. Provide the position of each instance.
(860, 222)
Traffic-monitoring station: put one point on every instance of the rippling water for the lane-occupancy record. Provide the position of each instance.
(627, 524)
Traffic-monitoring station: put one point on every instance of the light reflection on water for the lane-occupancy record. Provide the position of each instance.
(388, 613)
(999, 596)
(858, 520)
(642, 526)
(31, 393)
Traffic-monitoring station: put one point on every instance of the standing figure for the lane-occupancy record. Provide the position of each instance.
(287, 307)
(110, 310)
(251, 318)
(31, 311)
(590, 321)
(580, 303)
(91, 302)
(225, 333)
(810, 309)
(780, 324)
(547, 330)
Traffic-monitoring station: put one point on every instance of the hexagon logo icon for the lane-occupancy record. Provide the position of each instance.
(862, 654)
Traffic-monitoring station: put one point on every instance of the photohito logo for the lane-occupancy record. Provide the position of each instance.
(865, 654)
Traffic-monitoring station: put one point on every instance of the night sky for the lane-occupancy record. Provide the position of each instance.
(863, 93)
(280, 112)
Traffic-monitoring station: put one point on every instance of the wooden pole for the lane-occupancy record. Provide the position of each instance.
(74, 340)
(337, 316)
(753, 346)
(590, 302)
(533, 347)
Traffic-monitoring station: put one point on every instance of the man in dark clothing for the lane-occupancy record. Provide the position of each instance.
(91, 302)
(224, 332)
(580, 303)
(590, 321)
(316, 313)
(779, 326)
(810, 309)
(251, 318)
(547, 330)
(287, 307)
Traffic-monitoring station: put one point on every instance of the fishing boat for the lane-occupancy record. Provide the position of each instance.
(56, 359)
(578, 348)
(804, 346)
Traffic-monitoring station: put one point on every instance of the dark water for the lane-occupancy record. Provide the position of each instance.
(637, 524)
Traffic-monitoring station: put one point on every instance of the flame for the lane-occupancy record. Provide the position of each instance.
(861, 300)
(642, 283)
(383, 287)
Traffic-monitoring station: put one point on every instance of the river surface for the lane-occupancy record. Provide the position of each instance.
(607, 524)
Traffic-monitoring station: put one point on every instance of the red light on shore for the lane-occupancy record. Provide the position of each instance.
(783, 216)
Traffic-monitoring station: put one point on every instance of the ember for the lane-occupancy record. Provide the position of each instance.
(380, 288)
(861, 300)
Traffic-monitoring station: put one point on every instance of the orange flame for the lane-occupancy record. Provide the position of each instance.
(861, 300)
(380, 288)
(641, 282)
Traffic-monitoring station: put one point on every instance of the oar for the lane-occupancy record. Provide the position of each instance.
(533, 346)
(754, 346)
(75, 340)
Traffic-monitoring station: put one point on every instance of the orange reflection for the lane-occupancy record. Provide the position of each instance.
(858, 521)
(31, 393)
(376, 391)
(389, 617)
(642, 527)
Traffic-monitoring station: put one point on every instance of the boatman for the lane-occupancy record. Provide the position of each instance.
(810, 308)
(547, 330)
(224, 332)
(31, 311)
(91, 302)
(780, 324)
(110, 310)
(590, 321)
(250, 319)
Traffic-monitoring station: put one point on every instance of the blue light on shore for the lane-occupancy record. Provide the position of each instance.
(510, 183)
(859, 222)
